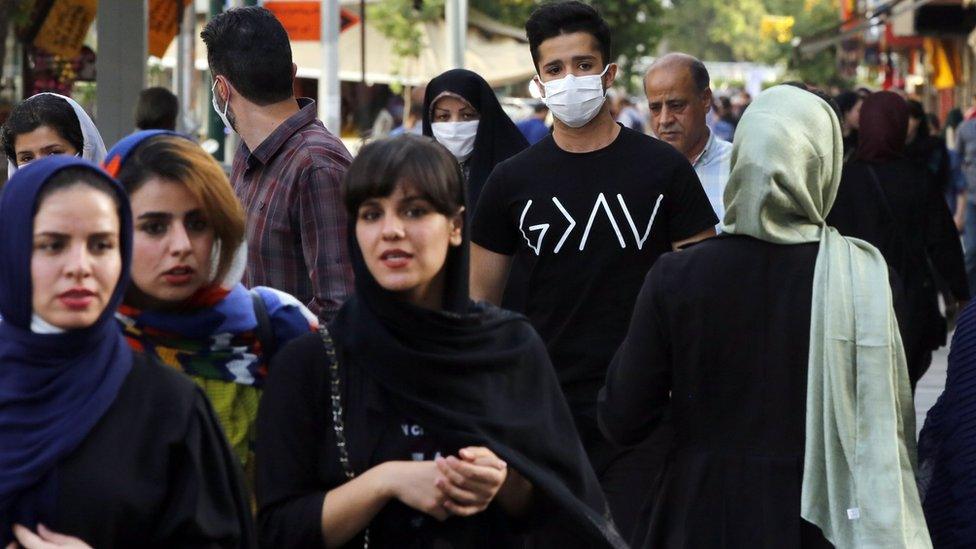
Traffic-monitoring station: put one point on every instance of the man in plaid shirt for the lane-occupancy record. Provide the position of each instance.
(288, 170)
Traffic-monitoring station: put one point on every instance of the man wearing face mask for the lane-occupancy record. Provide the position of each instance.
(582, 215)
(679, 96)
(289, 167)
(462, 113)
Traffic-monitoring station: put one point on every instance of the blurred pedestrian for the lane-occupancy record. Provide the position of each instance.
(679, 96)
(46, 124)
(413, 123)
(725, 124)
(288, 169)
(887, 199)
(534, 128)
(966, 146)
(926, 148)
(462, 112)
(793, 419)
(629, 115)
(157, 109)
(404, 423)
(956, 190)
(186, 308)
(850, 109)
(97, 444)
(581, 216)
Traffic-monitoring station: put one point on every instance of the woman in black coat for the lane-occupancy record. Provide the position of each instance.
(888, 199)
(419, 418)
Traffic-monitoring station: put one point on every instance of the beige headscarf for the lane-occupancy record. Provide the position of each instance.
(858, 474)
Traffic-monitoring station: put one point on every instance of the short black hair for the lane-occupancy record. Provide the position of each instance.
(249, 47)
(554, 19)
(41, 110)
(417, 160)
(157, 109)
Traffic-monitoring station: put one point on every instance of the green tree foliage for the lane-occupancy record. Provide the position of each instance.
(400, 20)
(730, 30)
(636, 24)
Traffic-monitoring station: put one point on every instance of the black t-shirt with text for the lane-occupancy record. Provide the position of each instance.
(584, 230)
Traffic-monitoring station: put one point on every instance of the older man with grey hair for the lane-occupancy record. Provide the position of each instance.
(679, 96)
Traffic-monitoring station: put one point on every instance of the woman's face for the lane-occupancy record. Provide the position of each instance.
(76, 262)
(172, 246)
(404, 241)
(453, 109)
(43, 141)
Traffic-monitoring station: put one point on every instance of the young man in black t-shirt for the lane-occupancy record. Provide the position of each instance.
(578, 219)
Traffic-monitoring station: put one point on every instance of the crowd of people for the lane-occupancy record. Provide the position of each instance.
(477, 333)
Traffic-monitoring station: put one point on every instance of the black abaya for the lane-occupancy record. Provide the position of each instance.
(154, 472)
(921, 230)
(719, 342)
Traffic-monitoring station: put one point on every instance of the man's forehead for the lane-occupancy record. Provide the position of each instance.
(565, 47)
(672, 81)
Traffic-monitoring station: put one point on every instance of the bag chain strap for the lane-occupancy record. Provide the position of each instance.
(338, 422)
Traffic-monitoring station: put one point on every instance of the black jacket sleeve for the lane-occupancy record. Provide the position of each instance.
(206, 504)
(637, 391)
(289, 490)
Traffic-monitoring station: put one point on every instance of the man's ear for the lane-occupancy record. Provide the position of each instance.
(707, 96)
(294, 71)
(610, 76)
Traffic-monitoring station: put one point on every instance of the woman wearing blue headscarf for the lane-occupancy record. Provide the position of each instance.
(95, 443)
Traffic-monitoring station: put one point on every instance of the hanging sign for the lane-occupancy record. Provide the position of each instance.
(65, 27)
(303, 20)
(164, 23)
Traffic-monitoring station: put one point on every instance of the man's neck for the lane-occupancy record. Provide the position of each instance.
(256, 123)
(695, 152)
(599, 133)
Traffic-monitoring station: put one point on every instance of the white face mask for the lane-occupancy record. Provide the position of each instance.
(458, 137)
(575, 100)
(213, 101)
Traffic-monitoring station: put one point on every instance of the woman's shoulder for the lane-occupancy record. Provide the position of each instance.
(158, 391)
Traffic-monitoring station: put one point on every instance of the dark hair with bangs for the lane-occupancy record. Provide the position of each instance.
(418, 161)
(41, 110)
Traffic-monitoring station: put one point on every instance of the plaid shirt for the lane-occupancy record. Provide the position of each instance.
(296, 220)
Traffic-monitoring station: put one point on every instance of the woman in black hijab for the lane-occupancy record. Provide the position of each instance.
(926, 149)
(887, 199)
(462, 113)
(429, 420)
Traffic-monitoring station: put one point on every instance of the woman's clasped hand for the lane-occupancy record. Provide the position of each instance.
(461, 485)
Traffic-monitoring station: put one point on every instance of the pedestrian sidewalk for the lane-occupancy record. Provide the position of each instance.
(930, 386)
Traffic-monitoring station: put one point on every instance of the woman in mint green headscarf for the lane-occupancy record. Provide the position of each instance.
(775, 351)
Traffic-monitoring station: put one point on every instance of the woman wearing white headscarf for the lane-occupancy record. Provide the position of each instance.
(793, 418)
(46, 124)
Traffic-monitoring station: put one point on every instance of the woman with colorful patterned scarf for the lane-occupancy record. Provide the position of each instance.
(186, 307)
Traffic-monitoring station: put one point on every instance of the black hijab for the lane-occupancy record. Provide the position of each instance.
(498, 137)
(477, 375)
